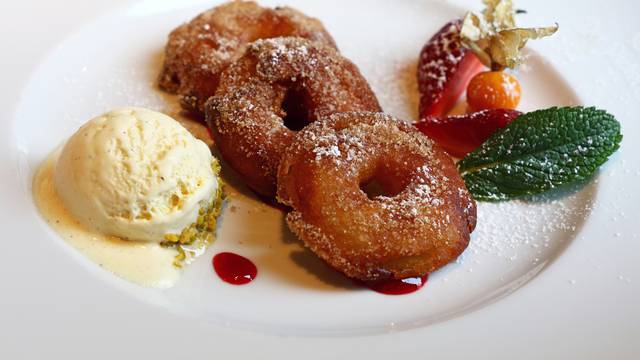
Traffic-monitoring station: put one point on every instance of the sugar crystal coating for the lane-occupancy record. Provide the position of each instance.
(420, 223)
(198, 51)
(246, 114)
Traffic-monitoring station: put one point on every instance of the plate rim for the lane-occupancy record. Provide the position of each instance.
(483, 318)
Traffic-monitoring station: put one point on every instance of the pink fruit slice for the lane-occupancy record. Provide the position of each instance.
(444, 70)
(461, 134)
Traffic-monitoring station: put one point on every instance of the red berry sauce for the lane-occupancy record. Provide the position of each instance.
(238, 270)
(398, 286)
(234, 269)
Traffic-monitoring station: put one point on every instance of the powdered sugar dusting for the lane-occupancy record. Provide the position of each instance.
(324, 151)
(511, 230)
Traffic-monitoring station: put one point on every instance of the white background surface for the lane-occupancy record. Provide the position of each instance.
(584, 305)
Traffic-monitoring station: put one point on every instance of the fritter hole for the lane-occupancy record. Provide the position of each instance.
(296, 109)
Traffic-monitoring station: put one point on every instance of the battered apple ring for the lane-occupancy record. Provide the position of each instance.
(277, 87)
(198, 51)
(420, 222)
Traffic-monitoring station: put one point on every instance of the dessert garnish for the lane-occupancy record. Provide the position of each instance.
(494, 38)
(234, 269)
(493, 90)
(444, 70)
(540, 151)
(195, 238)
(397, 286)
(459, 135)
(452, 61)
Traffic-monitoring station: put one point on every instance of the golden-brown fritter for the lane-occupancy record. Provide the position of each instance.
(420, 222)
(198, 51)
(279, 82)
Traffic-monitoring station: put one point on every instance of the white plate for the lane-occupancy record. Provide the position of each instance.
(582, 238)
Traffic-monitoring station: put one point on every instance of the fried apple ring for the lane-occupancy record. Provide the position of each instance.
(279, 82)
(198, 51)
(421, 222)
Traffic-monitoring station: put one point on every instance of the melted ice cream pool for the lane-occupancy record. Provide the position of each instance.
(144, 263)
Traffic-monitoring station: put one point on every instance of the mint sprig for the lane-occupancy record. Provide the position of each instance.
(539, 151)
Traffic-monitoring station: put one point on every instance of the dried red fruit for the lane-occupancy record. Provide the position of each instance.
(461, 134)
(444, 70)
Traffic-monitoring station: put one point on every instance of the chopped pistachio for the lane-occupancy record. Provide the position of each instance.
(197, 236)
(171, 238)
(177, 261)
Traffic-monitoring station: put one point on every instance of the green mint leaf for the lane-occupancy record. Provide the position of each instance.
(539, 151)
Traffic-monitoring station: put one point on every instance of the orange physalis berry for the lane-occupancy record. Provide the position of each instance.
(493, 90)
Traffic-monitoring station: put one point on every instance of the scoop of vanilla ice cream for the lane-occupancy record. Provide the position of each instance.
(135, 173)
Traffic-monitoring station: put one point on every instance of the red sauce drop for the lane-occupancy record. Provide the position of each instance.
(398, 286)
(234, 269)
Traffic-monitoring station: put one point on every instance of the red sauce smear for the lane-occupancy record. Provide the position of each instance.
(398, 286)
(234, 269)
